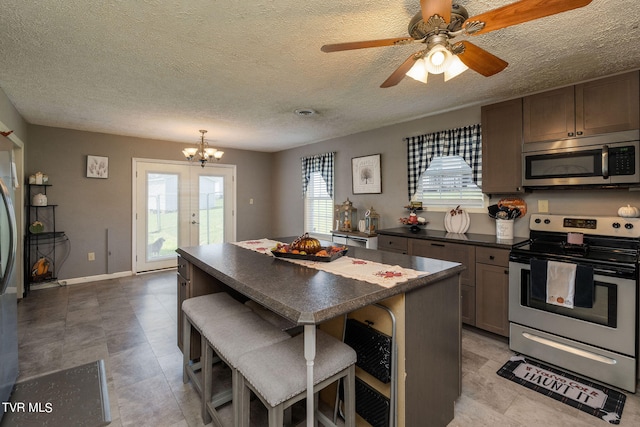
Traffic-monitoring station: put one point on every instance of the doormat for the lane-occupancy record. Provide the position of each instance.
(588, 397)
(71, 397)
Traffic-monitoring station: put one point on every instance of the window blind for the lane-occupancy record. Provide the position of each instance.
(318, 206)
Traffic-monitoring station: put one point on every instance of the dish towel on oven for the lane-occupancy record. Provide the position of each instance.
(584, 285)
(561, 283)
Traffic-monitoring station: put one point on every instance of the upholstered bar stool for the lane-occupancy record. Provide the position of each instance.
(228, 339)
(277, 375)
(275, 319)
(198, 312)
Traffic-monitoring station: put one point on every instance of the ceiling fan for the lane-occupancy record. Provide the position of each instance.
(440, 21)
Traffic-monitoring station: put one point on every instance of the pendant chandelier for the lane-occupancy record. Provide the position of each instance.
(202, 153)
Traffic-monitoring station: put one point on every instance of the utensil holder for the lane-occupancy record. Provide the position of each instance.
(504, 229)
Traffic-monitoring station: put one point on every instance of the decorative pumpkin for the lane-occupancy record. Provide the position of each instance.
(629, 212)
(40, 268)
(306, 244)
(456, 221)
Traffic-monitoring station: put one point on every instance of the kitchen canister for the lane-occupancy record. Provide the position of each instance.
(504, 229)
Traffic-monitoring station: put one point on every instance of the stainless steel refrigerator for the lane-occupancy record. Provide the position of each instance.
(8, 285)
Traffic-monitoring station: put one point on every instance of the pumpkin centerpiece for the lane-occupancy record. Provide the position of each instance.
(306, 244)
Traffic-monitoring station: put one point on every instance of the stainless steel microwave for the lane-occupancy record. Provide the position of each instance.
(604, 160)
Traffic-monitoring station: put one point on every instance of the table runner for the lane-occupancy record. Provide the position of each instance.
(352, 268)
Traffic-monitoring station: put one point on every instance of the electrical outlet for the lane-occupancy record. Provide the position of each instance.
(91, 256)
(250, 201)
(543, 206)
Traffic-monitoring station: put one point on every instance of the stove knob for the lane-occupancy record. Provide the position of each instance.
(538, 221)
(547, 221)
(628, 226)
(616, 225)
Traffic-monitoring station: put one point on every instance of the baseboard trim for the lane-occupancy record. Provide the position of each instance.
(79, 280)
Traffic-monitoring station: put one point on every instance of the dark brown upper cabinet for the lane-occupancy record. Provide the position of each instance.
(502, 147)
(601, 106)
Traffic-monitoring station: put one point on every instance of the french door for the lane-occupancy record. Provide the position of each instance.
(179, 204)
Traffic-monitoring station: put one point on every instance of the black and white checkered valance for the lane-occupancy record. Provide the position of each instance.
(465, 142)
(322, 163)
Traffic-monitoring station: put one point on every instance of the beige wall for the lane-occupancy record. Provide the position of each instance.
(88, 207)
(10, 117)
(389, 141)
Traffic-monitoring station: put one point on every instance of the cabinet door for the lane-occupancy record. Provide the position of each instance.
(549, 115)
(608, 105)
(183, 292)
(492, 298)
(468, 304)
(464, 254)
(502, 147)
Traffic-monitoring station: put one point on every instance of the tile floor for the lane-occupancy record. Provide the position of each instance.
(131, 324)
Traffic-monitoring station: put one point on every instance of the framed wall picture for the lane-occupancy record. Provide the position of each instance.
(97, 167)
(366, 174)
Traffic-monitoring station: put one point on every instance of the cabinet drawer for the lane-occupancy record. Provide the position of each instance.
(392, 243)
(455, 252)
(492, 256)
(183, 268)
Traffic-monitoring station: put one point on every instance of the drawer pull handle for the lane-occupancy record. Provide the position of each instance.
(441, 245)
(491, 257)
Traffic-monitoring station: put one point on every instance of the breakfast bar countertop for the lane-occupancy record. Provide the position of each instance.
(306, 295)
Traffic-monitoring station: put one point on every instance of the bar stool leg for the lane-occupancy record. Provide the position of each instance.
(349, 383)
(186, 347)
(207, 378)
(241, 406)
(276, 416)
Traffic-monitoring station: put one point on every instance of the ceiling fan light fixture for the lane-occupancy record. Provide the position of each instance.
(438, 59)
(456, 67)
(419, 71)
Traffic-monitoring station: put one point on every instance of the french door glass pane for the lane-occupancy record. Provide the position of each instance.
(211, 206)
(162, 215)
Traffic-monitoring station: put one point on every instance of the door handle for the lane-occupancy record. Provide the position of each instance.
(194, 222)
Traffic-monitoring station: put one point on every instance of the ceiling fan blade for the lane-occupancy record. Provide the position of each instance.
(436, 7)
(364, 44)
(523, 11)
(480, 60)
(397, 76)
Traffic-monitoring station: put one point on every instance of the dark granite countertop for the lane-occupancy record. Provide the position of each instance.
(305, 295)
(467, 238)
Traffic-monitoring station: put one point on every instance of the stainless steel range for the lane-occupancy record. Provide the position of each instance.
(594, 334)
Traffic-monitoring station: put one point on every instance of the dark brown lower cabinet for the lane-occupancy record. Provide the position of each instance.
(484, 285)
(492, 290)
(492, 298)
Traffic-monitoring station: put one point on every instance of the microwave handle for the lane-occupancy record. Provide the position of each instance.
(605, 161)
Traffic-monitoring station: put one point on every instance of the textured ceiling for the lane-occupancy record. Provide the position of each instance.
(165, 69)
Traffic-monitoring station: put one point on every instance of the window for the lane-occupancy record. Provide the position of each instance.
(444, 168)
(317, 189)
(448, 181)
(318, 206)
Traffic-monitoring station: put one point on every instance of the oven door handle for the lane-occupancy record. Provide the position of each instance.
(569, 349)
(605, 161)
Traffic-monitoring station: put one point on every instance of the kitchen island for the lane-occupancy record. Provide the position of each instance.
(427, 309)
